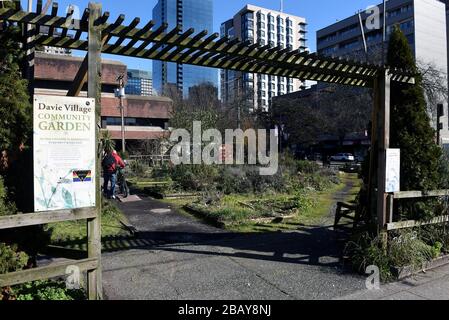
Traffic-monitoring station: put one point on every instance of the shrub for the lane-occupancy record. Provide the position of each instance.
(405, 249)
(11, 259)
(6, 208)
(47, 290)
(195, 177)
(365, 251)
(137, 168)
(307, 167)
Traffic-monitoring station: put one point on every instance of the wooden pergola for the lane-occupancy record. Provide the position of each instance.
(96, 35)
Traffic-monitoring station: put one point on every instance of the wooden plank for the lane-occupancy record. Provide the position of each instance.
(413, 224)
(81, 76)
(40, 218)
(52, 271)
(94, 91)
(420, 194)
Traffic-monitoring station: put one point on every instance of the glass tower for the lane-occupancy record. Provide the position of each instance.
(139, 83)
(197, 14)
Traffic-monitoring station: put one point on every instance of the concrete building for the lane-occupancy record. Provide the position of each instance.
(188, 14)
(262, 26)
(146, 118)
(140, 83)
(423, 22)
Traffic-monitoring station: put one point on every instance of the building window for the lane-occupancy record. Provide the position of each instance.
(262, 25)
(271, 18)
(289, 23)
(261, 16)
(280, 21)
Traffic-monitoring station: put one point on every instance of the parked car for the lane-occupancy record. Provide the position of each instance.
(343, 157)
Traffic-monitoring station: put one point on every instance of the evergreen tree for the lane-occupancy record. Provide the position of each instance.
(411, 129)
(15, 106)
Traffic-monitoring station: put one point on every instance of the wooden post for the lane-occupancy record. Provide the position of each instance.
(382, 90)
(390, 208)
(94, 91)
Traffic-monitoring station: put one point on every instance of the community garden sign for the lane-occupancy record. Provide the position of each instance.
(64, 153)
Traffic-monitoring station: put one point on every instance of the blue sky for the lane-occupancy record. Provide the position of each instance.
(319, 13)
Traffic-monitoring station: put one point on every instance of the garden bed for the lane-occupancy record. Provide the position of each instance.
(409, 271)
(157, 193)
(235, 210)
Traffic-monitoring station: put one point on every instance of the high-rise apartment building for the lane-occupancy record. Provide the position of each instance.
(187, 14)
(140, 83)
(422, 21)
(265, 27)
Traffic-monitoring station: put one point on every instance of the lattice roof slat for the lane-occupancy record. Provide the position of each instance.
(188, 48)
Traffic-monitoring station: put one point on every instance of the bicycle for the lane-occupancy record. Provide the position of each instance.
(122, 185)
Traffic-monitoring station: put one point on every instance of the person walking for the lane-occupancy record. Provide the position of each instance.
(111, 163)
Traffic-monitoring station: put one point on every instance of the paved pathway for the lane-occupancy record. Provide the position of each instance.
(177, 257)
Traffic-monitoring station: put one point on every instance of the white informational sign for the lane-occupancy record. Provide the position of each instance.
(64, 153)
(393, 169)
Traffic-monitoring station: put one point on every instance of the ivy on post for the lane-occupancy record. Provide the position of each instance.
(94, 91)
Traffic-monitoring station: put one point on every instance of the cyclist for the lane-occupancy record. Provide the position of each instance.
(111, 164)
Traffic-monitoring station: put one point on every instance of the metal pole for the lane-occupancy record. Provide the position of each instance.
(122, 114)
(384, 38)
(363, 36)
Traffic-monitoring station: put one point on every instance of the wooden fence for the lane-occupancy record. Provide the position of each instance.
(89, 265)
(391, 225)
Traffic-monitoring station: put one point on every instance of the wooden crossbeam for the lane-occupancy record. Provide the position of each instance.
(207, 41)
(178, 43)
(83, 20)
(204, 49)
(123, 33)
(54, 13)
(142, 31)
(149, 39)
(81, 76)
(180, 48)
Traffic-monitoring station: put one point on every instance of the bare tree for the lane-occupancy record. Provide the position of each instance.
(435, 85)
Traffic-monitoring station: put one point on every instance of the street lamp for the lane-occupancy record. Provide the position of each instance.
(120, 93)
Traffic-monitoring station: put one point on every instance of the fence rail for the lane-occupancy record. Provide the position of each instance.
(40, 218)
(54, 270)
(391, 225)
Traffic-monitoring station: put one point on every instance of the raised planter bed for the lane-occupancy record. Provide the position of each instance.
(157, 194)
(408, 271)
(205, 215)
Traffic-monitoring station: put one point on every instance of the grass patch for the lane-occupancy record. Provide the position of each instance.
(70, 231)
(320, 208)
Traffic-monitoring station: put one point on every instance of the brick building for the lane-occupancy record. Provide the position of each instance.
(146, 118)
